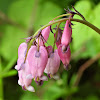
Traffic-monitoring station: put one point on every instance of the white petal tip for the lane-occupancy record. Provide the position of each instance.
(44, 78)
(16, 67)
(19, 82)
(45, 70)
(30, 88)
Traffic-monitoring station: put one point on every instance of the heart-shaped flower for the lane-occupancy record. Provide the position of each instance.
(37, 61)
(53, 63)
(64, 54)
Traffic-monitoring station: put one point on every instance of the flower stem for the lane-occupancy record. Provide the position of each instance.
(72, 19)
(68, 14)
(83, 67)
(38, 45)
(56, 36)
(61, 16)
(62, 20)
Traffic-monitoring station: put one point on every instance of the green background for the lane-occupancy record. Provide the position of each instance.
(20, 19)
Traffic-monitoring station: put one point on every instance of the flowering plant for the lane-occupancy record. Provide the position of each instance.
(35, 58)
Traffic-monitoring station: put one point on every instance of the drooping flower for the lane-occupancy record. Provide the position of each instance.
(67, 33)
(53, 63)
(37, 61)
(23, 69)
(22, 49)
(45, 34)
(64, 48)
(40, 59)
(21, 55)
(23, 80)
(65, 55)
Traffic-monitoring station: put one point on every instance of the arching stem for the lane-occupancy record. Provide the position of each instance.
(68, 14)
(61, 16)
(72, 19)
(59, 21)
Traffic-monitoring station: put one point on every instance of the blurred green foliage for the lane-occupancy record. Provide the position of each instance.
(83, 35)
(15, 24)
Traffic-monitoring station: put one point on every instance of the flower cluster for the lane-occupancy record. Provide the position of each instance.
(37, 59)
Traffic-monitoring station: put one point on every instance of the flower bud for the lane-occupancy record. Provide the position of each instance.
(45, 34)
(53, 63)
(67, 33)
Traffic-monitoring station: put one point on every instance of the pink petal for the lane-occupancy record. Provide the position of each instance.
(65, 56)
(49, 50)
(24, 81)
(22, 49)
(53, 63)
(66, 36)
(37, 63)
(45, 33)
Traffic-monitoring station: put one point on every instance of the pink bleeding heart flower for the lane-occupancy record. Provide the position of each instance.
(37, 61)
(65, 55)
(22, 49)
(23, 69)
(67, 33)
(45, 33)
(53, 63)
(21, 55)
(23, 80)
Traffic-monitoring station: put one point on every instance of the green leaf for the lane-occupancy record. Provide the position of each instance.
(65, 78)
(19, 11)
(55, 92)
(4, 5)
(29, 96)
(0, 65)
(46, 12)
(8, 74)
(10, 64)
(80, 31)
(72, 81)
(83, 35)
(10, 42)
